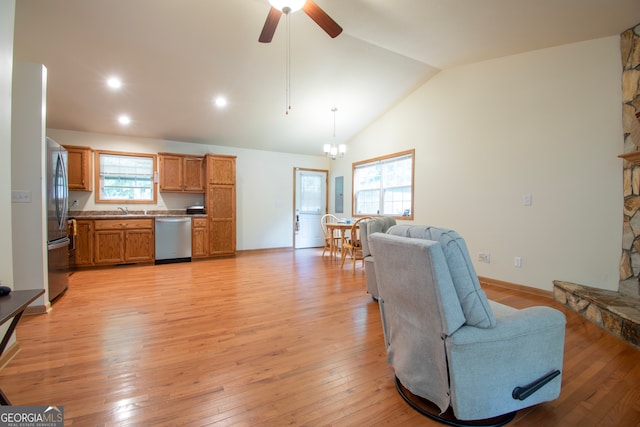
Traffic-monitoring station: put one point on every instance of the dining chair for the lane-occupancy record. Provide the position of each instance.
(329, 236)
(353, 245)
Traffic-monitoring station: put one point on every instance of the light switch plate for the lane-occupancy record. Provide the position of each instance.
(20, 196)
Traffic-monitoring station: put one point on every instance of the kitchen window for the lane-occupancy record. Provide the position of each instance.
(384, 186)
(125, 177)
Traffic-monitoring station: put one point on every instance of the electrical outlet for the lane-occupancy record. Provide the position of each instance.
(484, 257)
(517, 261)
(527, 200)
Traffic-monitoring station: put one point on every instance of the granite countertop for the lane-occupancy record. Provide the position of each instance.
(132, 214)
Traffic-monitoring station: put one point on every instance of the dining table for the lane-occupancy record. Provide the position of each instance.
(341, 228)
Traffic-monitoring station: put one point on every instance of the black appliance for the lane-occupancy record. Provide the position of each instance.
(195, 210)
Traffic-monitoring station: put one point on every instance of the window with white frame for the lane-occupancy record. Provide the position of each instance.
(125, 177)
(384, 186)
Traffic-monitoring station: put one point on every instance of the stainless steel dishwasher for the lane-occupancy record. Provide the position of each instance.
(173, 239)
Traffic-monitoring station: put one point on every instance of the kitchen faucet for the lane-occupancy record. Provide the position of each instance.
(125, 210)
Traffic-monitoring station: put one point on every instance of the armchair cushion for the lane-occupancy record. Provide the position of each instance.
(473, 300)
(525, 344)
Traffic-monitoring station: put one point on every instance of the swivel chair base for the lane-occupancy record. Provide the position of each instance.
(430, 410)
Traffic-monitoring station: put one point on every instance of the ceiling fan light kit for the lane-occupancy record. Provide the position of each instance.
(278, 7)
(287, 6)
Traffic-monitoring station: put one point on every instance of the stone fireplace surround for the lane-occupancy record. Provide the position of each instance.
(619, 312)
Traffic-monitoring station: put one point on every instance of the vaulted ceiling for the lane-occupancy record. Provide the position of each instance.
(176, 56)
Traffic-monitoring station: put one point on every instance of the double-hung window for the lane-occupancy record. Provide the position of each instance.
(384, 186)
(125, 177)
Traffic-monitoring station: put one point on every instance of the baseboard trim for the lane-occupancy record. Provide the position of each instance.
(36, 309)
(9, 354)
(264, 250)
(515, 287)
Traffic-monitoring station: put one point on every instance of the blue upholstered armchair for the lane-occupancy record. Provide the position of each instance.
(449, 344)
(375, 225)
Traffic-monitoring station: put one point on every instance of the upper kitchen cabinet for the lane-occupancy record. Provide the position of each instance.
(79, 168)
(180, 173)
(221, 169)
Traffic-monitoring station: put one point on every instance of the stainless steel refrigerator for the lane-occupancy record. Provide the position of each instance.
(57, 228)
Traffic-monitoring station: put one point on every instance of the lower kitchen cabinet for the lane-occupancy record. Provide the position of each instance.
(199, 238)
(109, 246)
(139, 245)
(222, 239)
(114, 241)
(84, 243)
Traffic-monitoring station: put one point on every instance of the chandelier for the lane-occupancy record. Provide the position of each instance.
(332, 150)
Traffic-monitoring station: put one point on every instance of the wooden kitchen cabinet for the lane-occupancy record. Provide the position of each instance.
(193, 176)
(139, 245)
(222, 219)
(170, 172)
(221, 204)
(84, 243)
(123, 241)
(180, 173)
(199, 237)
(109, 246)
(221, 169)
(79, 170)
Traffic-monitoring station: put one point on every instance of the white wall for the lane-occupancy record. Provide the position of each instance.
(28, 174)
(7, 12)
(264, 200)
(545, 123)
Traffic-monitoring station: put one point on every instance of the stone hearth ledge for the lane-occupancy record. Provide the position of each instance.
(613, 311)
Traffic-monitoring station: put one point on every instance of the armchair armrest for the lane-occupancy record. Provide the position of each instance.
(511, 324)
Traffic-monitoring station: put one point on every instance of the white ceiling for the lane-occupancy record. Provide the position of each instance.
(174, 56)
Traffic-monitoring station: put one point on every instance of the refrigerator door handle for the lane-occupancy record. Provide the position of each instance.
(60, 191)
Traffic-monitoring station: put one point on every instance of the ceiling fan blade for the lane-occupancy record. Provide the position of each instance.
(322, 19)
(270, 25)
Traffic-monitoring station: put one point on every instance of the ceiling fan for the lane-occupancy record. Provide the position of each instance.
(278, 7)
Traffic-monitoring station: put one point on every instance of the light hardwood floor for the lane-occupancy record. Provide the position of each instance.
(267, 338)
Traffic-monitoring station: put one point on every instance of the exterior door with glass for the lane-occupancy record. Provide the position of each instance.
(310, 205)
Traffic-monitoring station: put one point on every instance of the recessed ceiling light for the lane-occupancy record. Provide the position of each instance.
(124, 120)
(221, 101)
(114, 82)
